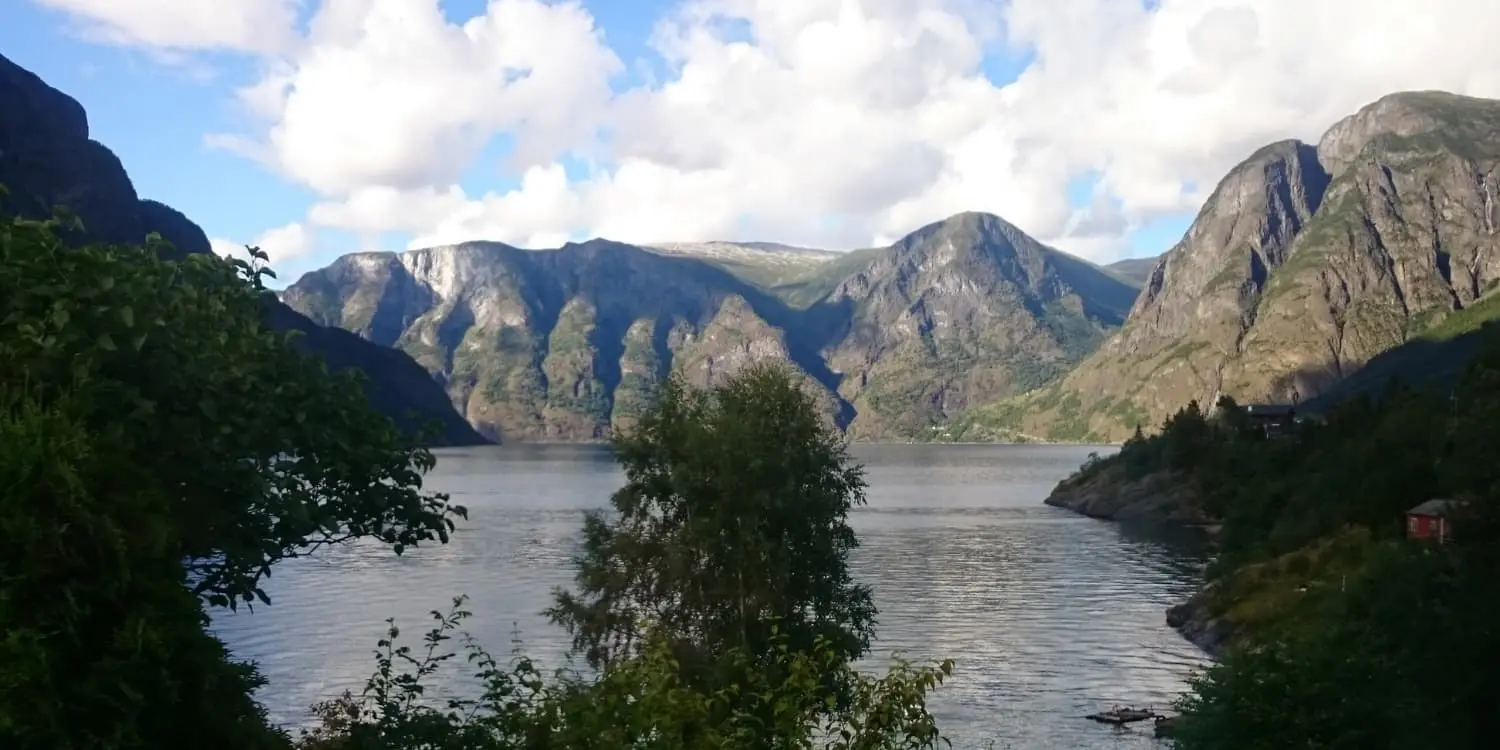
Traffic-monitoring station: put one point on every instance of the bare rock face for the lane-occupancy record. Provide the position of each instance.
(1215, 275)
(555, 345)
(47, 160)
(958, 313)
(572, 343)
(1194, 620)
(1303, 266)
(1406, 238)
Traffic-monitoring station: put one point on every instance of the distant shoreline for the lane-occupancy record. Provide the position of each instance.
(605, 441)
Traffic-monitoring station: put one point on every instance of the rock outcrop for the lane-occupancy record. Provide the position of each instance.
(1110, 494)
(1194, 621)
(47, 159)
(956, 313)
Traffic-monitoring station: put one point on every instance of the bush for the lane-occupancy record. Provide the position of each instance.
(641, 701)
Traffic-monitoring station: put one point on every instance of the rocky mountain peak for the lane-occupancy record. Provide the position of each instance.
(1408, 114)
(1303, 265)
(567, 343)
(969, 229)
(1242, 232)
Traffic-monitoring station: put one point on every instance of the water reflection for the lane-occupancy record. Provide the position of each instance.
(1049, 615)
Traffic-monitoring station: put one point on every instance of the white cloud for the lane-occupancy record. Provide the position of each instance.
(226, 248)
(829, 122)
(179, 25)
(388, 93)
(280, 244)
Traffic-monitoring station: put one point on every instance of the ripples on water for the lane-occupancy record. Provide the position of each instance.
(1049, 615)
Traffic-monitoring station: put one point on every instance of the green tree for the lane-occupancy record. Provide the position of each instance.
(102, 642)
(270, 456)
(1186, 434)
(733, 516)
(162, 450)
(1230, 417)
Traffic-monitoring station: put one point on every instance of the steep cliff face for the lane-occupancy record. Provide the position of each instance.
(47, 159)
(957, 313)
(1303, 265)
(551, 345)
(1406, 239)
(568, 344)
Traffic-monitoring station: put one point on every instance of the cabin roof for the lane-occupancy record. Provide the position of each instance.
(1435, 507)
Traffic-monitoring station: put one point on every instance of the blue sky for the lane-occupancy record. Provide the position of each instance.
(155, 115)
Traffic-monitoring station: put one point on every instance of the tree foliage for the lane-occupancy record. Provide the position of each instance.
(640, 700)
(102, 642)
(268, 455)
(1373, 640)
(160, 449)
(732, 517)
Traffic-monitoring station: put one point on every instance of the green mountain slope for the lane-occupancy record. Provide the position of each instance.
(1135, 271)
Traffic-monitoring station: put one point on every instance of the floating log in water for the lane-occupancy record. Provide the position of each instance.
(1123, 715)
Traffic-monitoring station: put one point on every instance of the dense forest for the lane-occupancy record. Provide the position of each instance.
(1347, 634)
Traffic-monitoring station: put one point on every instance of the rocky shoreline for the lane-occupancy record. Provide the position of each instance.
(1162, 497)
(1191, 619)
(1110, 494)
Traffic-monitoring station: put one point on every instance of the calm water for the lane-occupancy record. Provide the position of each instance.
(1049, 615)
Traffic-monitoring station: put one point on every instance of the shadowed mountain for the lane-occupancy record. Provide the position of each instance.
(47, 159)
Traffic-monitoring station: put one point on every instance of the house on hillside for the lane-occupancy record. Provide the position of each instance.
(1272, 419)
(1431, 520)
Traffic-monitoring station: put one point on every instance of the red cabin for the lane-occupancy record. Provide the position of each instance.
(1430, 520)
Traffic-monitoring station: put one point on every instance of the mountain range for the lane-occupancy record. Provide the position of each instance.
(568, 343)
(1304, 264)
(1312, 270)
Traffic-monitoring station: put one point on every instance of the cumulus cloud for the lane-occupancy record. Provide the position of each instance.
(280, 244)
(828, 122)
(389, 93)
(181, 25)
(226, 248)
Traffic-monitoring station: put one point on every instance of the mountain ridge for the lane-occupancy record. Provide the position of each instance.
(1307, 263)
(881, 312)
(1135, 271)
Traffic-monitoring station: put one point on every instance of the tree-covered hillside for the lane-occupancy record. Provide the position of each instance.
(1342, 632)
